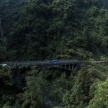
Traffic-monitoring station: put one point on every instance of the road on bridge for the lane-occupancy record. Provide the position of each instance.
(47, 62)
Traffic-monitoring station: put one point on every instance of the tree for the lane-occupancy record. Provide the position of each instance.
(33, 94)
(79, 96)
(100, 99)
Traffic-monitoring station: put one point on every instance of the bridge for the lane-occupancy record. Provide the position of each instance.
(19, 68)
(63, 64)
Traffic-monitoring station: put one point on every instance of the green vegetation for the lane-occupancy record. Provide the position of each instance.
(85, 88)
(55, 29)
(60, 29)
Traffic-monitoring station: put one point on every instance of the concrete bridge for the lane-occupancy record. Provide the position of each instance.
(19, 68)
(63, 64)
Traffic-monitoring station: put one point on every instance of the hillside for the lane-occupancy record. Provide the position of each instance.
(33, 30)
(54, 29)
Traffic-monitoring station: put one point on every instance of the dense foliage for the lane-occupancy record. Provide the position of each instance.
(54, 29)
(60, 29)
(85, 88)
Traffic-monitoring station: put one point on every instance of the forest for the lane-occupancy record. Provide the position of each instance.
(38, 30)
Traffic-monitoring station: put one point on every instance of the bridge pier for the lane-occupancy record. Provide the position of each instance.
(70, 67)
(16, 74)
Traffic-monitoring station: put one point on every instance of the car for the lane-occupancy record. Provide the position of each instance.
(54, 61)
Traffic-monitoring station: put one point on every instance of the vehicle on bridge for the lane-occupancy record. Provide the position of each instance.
(54, 61)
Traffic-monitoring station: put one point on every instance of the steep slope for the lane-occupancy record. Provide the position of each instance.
(55, 29)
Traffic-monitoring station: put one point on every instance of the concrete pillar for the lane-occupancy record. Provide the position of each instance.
(16, 74)
(72, 67)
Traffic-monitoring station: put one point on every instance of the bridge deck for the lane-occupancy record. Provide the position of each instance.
(40, 63)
